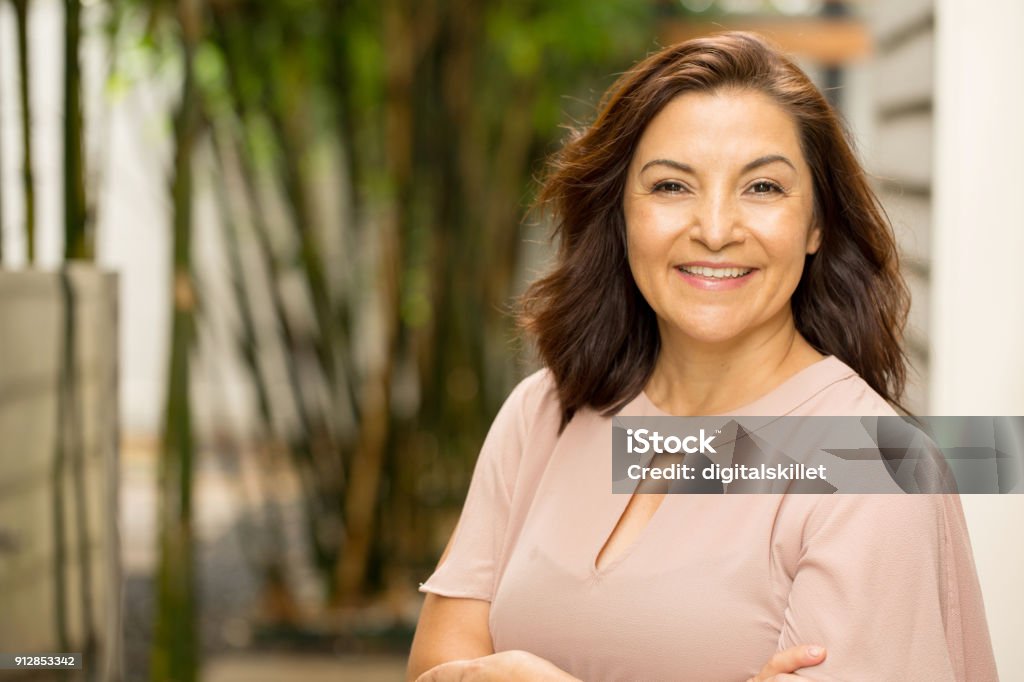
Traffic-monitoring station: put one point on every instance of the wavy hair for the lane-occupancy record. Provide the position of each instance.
(592, 327)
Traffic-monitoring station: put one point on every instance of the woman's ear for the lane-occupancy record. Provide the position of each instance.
(813, 239)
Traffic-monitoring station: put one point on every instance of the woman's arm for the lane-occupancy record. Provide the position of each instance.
(456, 631)
(449, 629)
(888, 582)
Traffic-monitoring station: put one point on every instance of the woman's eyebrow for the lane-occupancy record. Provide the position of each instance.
(686, 168)
(670, 163)
(765, 160)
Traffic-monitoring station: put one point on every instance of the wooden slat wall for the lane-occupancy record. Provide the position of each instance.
(827, 42)
(904, 37)
(32, 338)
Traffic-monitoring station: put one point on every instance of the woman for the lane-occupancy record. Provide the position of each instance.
(721, 253)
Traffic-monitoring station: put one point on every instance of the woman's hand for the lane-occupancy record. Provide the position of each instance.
(504, 665)
(522, 665)
(789, 661)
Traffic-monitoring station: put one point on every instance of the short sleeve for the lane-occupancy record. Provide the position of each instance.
(887, 583)
(469, 569)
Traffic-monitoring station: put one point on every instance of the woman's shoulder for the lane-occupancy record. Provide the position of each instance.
(538, 386)
(534, 400)
(832, 388)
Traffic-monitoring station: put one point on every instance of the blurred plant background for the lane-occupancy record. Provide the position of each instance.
(318, 212)
(346, 183)
(371, 162)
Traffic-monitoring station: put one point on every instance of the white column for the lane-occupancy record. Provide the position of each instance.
(977, 329)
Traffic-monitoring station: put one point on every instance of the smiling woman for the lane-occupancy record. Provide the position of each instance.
(720, 253)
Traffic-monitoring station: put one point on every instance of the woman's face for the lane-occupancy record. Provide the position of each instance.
(719, 208)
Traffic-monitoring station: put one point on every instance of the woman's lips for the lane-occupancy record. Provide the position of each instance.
(716, 276)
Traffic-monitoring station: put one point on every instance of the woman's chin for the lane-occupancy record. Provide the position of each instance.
(713, 335)
(724, 326)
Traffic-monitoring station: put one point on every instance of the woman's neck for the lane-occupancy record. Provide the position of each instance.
(693, 377)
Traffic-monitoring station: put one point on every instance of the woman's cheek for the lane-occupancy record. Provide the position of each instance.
(666, 220)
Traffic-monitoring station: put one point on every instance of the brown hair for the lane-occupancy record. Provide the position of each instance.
(593, 328)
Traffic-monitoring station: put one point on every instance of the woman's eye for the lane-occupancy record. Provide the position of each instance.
(765, 187)
(669, 187)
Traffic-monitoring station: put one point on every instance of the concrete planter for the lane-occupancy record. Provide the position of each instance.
(59, 554)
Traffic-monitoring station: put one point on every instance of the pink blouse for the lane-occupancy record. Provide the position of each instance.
(714, 584)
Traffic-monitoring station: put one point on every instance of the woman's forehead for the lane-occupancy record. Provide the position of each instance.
(728, 126)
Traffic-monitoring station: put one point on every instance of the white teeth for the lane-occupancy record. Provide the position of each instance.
(716, 273)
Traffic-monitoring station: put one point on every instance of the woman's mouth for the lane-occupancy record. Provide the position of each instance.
(715, 277)
(715, 273)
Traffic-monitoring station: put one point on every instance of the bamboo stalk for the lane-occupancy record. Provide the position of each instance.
(76, 241)
(176, 633)
(1, 176)
(28, 179)
(1, 172)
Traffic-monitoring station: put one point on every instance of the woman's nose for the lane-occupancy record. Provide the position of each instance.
(716, 224)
